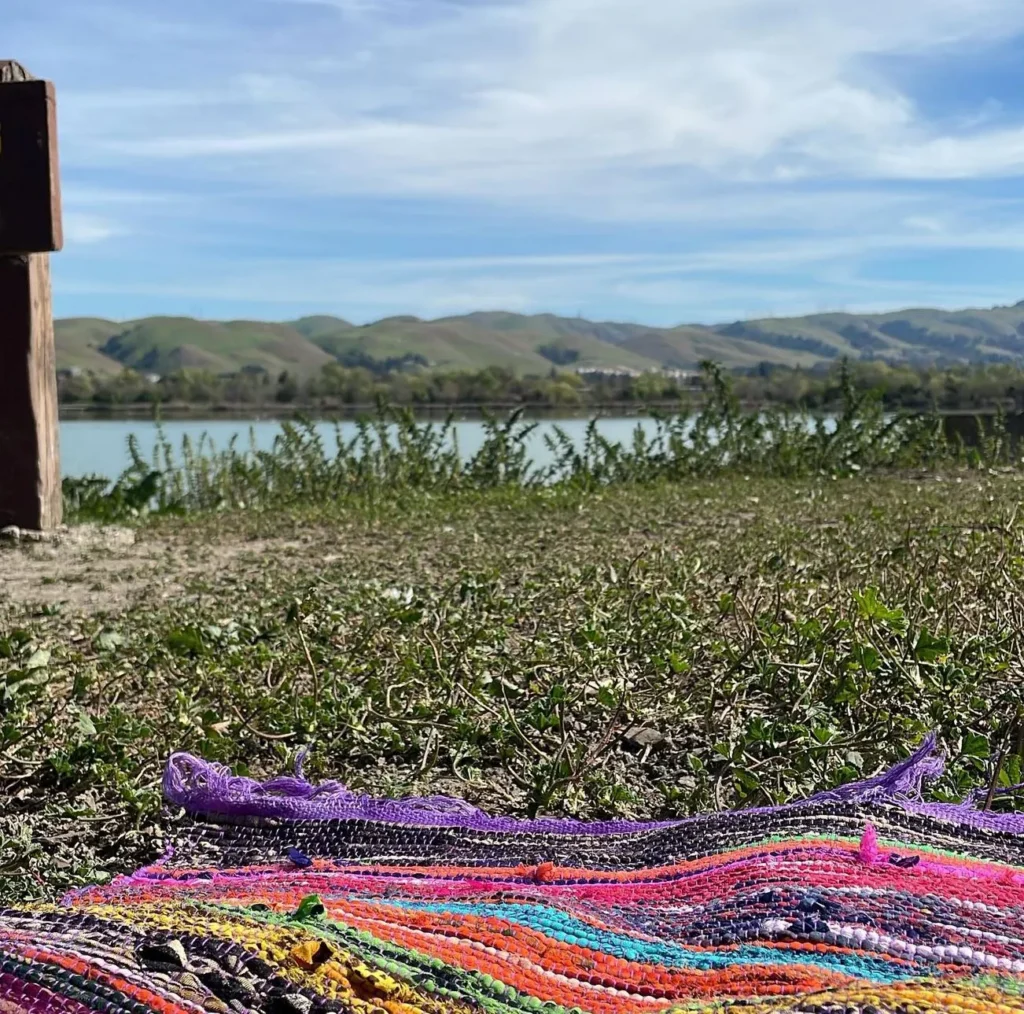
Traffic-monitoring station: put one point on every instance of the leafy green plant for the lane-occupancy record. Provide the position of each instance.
(632, 647)
(393, 454)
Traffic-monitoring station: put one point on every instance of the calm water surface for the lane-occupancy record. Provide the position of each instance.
(100, 446)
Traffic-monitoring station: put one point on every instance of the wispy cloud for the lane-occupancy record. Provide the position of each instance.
(777, 278)
(81, 229)
(559, 97)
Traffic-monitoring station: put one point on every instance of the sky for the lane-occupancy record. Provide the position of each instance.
(656, 161)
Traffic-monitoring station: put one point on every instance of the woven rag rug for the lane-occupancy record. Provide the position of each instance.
(290, 898)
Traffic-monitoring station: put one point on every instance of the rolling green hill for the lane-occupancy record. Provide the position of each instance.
(684, 347)
(914, 335)
(79, 340)
(530, 345)
(315, 327)
(165, 344)
(534, 343)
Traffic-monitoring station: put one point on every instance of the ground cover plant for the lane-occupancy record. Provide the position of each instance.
(639, 650)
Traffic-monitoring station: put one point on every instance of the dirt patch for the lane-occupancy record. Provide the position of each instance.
(93, 569)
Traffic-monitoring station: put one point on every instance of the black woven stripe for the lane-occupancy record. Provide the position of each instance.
(359, 841)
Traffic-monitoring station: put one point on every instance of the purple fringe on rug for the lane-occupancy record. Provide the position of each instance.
(205, 788)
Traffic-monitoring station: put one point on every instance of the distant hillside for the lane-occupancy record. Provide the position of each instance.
(533, 344)
(914, 335)
(79, 340)
(529, 345)
(683, 347)
(315, 327)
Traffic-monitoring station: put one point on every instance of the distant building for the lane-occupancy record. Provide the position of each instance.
(683, 376)
(599, 372)
(688, 377)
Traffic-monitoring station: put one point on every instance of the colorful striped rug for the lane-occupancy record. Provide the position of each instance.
(290, 898)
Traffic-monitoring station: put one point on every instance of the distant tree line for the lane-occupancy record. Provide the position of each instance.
(348, 386)
(951, 388)
(338, 385)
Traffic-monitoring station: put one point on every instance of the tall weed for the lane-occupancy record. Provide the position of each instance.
(392, 452)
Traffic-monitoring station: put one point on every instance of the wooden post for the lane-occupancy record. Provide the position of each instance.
(30, 227)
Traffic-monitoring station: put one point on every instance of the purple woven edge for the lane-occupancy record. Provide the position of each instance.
(203, 788)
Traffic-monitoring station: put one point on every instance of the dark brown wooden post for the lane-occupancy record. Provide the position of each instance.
(30, 227)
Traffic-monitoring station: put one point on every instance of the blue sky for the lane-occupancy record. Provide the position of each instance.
(660, 161)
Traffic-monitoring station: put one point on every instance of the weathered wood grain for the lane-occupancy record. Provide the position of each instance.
(30, 215)
(30, 491)
(30, 226)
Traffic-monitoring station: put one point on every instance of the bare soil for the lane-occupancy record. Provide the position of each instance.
(91, 569)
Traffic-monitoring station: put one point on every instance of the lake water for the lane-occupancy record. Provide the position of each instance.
(100, 446)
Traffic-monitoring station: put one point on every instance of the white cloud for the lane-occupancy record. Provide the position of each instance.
(569, 100)
(81, 228)
(990, 153)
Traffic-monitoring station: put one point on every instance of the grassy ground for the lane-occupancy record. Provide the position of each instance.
(637, 651)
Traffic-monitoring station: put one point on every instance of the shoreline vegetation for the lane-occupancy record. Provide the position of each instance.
(393, 453)
(338, 390)
(329, 412)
